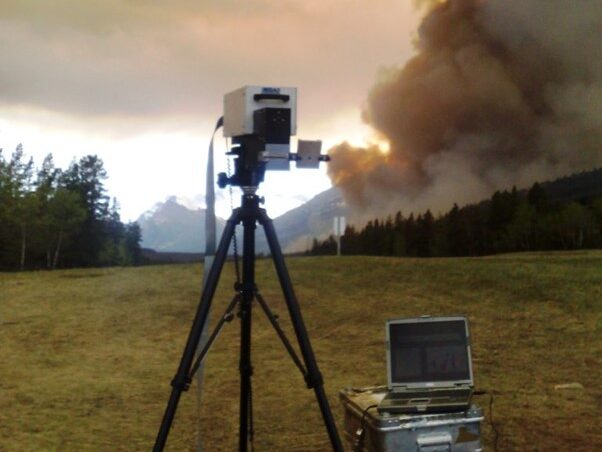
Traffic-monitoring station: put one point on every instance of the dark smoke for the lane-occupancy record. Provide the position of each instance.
(499, 93)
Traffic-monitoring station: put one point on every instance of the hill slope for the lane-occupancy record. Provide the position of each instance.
(297, 227)
(88, 354)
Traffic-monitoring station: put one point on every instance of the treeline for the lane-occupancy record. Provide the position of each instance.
(52, 218)
(509, 221)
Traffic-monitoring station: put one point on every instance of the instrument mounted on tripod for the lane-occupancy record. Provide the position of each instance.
(260, 122)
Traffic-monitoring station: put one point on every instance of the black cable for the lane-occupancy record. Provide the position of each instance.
(210, 229)
(495, 431)
(236, 259)
(234, 241)
(360, 440)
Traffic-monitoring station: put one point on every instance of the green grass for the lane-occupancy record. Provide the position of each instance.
(86, 356)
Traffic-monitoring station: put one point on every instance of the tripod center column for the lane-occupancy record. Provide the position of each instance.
(250, 204)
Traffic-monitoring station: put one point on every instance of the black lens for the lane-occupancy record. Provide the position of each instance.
(273, 124)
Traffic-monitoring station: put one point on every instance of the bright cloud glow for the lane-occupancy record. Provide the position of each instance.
(141, 83)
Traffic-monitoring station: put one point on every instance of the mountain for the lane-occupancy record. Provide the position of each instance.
(297, 228)
(171, 226)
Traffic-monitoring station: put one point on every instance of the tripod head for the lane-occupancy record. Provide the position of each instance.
(249, 168)
(261, 121)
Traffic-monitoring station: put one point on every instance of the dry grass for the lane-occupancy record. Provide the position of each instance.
(87, 355)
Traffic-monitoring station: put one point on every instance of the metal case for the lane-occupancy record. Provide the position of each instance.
(369, 431)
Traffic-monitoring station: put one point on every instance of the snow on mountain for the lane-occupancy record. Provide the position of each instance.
(171, 226)
(178, 224)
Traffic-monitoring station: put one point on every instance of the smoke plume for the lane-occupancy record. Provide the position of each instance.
(499, 93)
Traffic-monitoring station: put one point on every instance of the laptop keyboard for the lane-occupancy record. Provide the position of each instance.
(432, 401)
(428, 394)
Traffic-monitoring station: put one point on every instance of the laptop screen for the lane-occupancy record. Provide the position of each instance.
(429, 351)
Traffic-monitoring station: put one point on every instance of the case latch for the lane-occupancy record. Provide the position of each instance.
(435, 442)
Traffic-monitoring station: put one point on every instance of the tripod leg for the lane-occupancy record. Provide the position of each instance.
(182, 380)
(314, 378)
(227, 317)
(251, 424)
(274, 321)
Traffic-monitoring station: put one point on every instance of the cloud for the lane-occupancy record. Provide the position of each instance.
(146, 59)
(500, 93)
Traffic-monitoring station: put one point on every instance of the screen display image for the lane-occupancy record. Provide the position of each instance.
(429, 351)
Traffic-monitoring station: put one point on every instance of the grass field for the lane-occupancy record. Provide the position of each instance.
(86, 356)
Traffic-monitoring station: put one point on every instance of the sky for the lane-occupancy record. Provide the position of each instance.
(140, 83)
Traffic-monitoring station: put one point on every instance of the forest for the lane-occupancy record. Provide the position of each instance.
(559, 215)
(61, 218)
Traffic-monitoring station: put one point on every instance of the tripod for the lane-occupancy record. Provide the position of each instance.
(248, 214)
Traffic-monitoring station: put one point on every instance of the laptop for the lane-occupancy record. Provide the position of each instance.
(428, 365)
